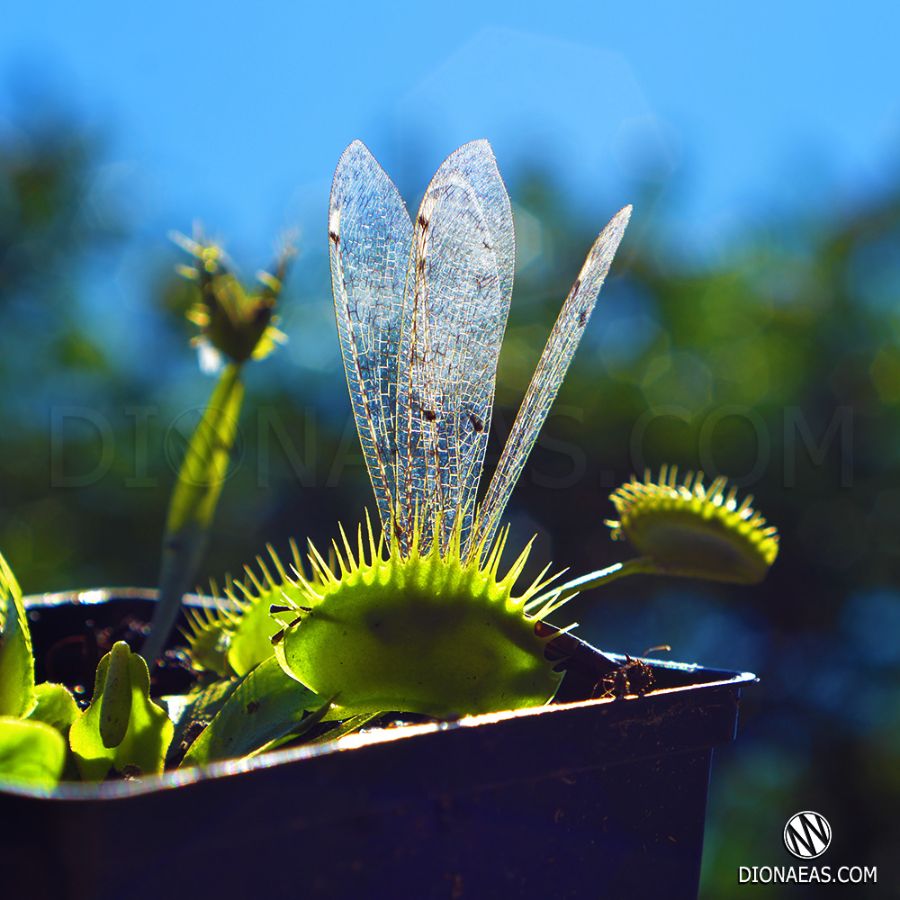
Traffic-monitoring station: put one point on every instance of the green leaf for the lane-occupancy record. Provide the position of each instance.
(31, 753)
(347, 726)
(192, 712)
(302, 727)
(193, 504)
(266, 705)
(123, 728)
(55, 706)
(16, 660)
(205, 465)
(115, 700)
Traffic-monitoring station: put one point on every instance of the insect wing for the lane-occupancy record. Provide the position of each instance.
(370, 235)
(458, 288)
(475, 163)
(549, 374)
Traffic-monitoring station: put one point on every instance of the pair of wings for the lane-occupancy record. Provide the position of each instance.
(421, 309)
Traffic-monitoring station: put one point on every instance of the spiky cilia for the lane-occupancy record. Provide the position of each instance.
(686, 528)
(428, 631)
(233, 636)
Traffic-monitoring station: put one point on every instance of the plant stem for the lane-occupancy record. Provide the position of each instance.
(193, 504)
(641, 565)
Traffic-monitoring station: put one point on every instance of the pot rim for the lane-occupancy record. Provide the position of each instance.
(69, 791)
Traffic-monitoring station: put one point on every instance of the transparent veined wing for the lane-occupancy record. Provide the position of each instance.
(549, 374)
(457, 301)
(370, 236)
(475, 163)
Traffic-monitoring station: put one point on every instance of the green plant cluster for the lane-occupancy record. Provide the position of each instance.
(44, 736)
(376, 628)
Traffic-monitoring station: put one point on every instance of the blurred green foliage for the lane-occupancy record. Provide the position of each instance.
(777, 363)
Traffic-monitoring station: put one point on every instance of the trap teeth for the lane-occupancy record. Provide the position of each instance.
(687, 529)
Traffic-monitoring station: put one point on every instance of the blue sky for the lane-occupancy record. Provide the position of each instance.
(238, 117)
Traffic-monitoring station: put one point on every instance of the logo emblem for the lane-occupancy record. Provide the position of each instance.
(807, 835)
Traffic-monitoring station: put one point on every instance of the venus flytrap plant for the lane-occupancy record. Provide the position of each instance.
(422, 619)
(264, 708)
(235, 636)
(31, 752)
(687, 530)
(428, 631)
(54, 705)
(34, 719)
(417, 613)
(16, 663)
(122, 728)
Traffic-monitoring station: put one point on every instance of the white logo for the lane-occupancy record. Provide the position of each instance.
(807, 834)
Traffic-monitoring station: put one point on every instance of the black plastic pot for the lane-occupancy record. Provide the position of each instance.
(595, 798)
